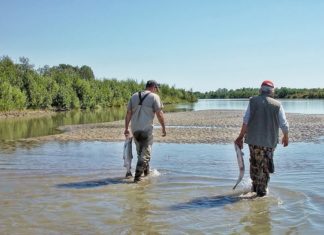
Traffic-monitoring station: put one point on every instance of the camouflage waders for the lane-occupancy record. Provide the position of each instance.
(261, 158)
(143, 142)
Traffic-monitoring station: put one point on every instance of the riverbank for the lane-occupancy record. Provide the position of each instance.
(207, 126)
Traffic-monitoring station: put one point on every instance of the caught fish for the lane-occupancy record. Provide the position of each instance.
(128, 155)
(240, 161)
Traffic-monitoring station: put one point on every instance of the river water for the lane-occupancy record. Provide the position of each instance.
(78, 188)
(305, 106)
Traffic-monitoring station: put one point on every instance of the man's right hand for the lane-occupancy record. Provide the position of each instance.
(163, 133)
(126, 133)
(239, 142)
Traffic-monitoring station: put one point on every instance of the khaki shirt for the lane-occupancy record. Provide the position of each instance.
(143, 115)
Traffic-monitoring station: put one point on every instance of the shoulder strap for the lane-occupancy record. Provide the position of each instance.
(140, 97)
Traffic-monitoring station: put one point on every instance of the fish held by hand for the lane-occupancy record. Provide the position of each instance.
(240, 161)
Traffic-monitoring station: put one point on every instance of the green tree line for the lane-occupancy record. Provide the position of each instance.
(281, 93)
(66, 87)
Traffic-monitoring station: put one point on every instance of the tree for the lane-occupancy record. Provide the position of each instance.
(8, 72)
(85, 94)
(86, 73)
(282, 92)
(67, 87)
(65, 99)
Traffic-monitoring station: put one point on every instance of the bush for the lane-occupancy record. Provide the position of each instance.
(11, 98)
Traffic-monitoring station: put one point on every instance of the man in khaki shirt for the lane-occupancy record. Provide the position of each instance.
(141, 110)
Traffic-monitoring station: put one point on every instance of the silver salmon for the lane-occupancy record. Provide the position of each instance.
(240, 161)
(128, 154)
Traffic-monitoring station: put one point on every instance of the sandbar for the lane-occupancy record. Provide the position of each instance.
(207, 126)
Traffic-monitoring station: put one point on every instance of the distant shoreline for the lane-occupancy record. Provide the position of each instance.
(208, 126)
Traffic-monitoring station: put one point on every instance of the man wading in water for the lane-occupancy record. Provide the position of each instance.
(262, 120)
(141, 111)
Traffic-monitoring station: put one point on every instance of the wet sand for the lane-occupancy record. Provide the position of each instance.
(208, 126)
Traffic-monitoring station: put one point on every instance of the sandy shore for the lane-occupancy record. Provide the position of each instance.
(208, 126)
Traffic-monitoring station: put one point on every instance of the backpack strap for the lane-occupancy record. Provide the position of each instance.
(140, 97)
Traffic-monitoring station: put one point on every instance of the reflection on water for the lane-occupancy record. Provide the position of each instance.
(13, 129)
(77, 188)
(258, 217)
(137, 213)
(10, 146)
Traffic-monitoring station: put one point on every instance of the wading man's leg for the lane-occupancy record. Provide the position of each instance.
(259, 169)
(144, 157)
(144, 149)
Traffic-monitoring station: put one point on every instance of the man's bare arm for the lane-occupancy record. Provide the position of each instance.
(127, 121)
(160, 117)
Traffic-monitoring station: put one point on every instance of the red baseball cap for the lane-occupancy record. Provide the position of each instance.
(267, 83)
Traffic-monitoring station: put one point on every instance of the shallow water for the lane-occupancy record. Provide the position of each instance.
(78, 188)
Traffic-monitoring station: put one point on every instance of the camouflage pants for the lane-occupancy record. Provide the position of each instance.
(143, 143)
(259, 168)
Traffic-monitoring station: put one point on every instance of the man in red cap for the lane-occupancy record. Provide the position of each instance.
(261, 122)
(141, 110)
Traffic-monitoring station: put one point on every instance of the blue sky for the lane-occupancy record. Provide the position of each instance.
(198, 44)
